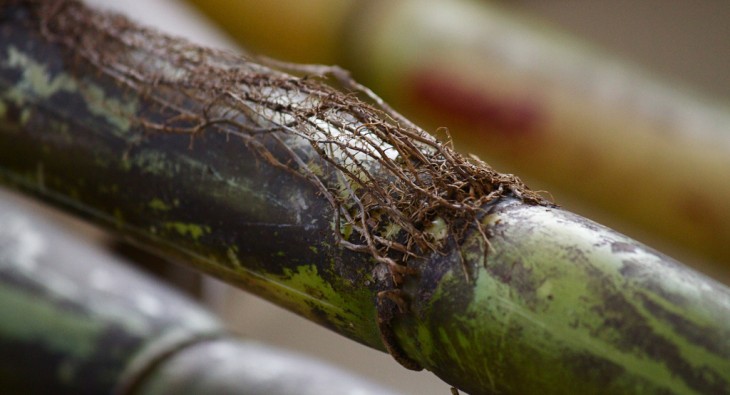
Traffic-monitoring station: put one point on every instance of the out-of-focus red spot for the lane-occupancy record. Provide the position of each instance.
(699, 210)
(473, 105)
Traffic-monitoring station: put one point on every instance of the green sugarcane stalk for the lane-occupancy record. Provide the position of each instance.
(77, 320)
(346, 214)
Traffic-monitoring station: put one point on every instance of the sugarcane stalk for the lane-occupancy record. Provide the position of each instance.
(344, 213)
(78, 320)
(232, 366)
(528, 98)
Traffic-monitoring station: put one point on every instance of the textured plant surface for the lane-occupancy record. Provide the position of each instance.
(344, 213)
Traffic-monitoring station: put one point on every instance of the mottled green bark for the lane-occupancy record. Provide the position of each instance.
(68, 135)
(564, 305)
(530, 300)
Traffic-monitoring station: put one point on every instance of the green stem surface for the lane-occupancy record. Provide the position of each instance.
(533, 299)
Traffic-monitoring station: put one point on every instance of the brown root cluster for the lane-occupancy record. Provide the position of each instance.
(396, 191)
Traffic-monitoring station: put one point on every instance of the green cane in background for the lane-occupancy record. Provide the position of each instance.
(344, 213)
